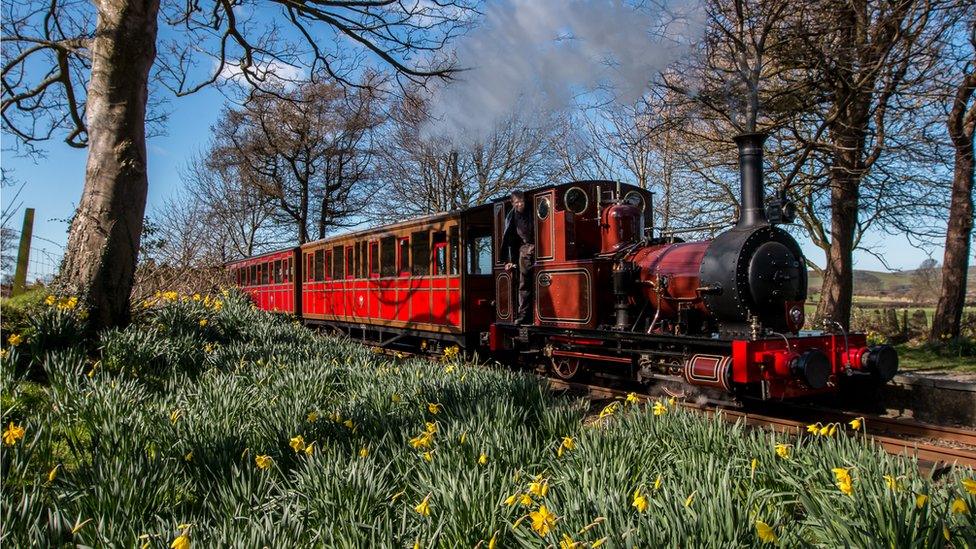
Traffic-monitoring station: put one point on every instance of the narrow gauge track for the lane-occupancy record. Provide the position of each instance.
(895, 436)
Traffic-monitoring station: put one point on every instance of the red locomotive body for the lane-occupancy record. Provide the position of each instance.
(721, 315)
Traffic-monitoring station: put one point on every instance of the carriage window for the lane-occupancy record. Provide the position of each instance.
(440, 258)
(479, 253)
(374, 258)
(455, 260)
(319, 265)
(388, 256)
(338, 263)
(277, 275)
(264, 273)
(421, 253)
(350, 261)
(543, 209)
(403, 256)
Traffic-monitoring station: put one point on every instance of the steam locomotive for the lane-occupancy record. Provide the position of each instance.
(721, 317)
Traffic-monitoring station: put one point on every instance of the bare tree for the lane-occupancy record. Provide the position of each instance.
(84, 69)
(307, 150)
(424, 174)
(961, 124)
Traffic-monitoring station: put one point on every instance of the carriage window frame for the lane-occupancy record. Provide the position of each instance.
(388, 245)
(374, 259)
(544, 209)
(403, 256)
(578, 191)
(338, 263)
(453, 256)
(420, 248)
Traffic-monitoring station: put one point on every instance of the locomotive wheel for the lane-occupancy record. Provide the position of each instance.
(567, 368)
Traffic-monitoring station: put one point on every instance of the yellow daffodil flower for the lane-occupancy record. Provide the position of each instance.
(959, 506)
(49, 300)
(422, 441)
(15, 340)
(312, 417)
(12, 434)
(53, 473)
(196, 297)
(765, 532)
(813, 428)
(567, 444)
(263, 461)
(599, 542)
(891, 482)
(174, 416)
(657, 483)
(491, 542)
(430, 427)
(181, 542)
(364, 452)
(428, 456)
(511, 500)
(753, 465)
(539, 486)
(659, 408)
(690, 499)
(567, 542)
(423, 508)
(832, 430)
(395, 398)
(632, 398)
(542, 521)
(525, 500)
(483, 459)
(349, 424)
(310, 448)
(970, 485)
(203, 322)
(920, 500)
(824, 430)
(783, 451)
(297, 443)
(945, 532)
(608, 410)
(434, 408)
(463, 438)
(189, 456)
(640, 501)
(844, 481)
(856, 423)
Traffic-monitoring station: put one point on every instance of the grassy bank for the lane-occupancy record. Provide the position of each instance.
(223, 426)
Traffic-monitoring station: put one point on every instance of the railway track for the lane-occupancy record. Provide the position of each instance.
(934, 445)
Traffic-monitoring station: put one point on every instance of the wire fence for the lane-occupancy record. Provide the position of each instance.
(42, 264)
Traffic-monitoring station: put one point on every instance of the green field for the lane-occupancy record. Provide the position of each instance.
(223, 426)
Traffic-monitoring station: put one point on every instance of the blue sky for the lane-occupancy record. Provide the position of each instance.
(54, 183)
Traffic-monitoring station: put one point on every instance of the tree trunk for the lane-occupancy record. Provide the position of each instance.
(103, 243)
(955, 264)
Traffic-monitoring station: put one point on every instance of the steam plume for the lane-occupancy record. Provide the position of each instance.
(542, 55)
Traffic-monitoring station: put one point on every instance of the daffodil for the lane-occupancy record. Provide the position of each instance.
(428, 456)
(891, 482)
(181, 542)
(567, 542)
(690, 499)
(824, 430)
(608, 410)
(15, 340)
(640, 501)
(12, 434)
(263, 461)
(945, 532)
(174, 416)
(349, 424)
(297, 443)
(783, 451)
(542, 521)
(657, 483)
(832, 430)
(659, 408)
(189, 456)
(959, 506)
(423, 508)
(856, 423)
(491, 542)
(970, 485)
(53, 473)
(203, 322)
(567, 444)
(753, 466)
(430, 427)
(512, 500)
(423, 440)
(813, 428)
(463, 438)
(49, 300)
(364, 452)
(539, 486)
(920, 500)
(765, 532)
(310, 448)
(395, 398)
(434, 408)
(483, 459)
(525, 500)
(632, 398)
(312, 416)
(844, 481)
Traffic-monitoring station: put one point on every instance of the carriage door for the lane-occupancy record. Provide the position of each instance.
(504, 290)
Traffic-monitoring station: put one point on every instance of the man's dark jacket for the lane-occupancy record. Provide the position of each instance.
(519, 230)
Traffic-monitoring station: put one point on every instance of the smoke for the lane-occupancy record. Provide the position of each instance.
(536, 56)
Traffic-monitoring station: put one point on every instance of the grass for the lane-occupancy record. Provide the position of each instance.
(924, 357)
(164, 435)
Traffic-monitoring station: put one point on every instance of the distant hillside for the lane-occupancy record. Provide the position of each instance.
(894, 286)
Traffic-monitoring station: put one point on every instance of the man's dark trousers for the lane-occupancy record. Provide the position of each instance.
(525, 289)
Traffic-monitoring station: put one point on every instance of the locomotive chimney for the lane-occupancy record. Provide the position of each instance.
(752, 212)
